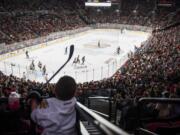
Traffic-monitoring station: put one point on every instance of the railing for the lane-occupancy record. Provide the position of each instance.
(83, 114)
(42, 40)
(80, 74)
(142, 131)
(144, 101)
(102, 124)
(159, 100)
(109, 107)
(124, 26)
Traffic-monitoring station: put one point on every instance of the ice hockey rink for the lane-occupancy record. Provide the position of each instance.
(100, 62)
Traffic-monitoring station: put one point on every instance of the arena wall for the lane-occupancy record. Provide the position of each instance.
(33, 44)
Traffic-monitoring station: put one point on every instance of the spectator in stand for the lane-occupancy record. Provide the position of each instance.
(57, 115)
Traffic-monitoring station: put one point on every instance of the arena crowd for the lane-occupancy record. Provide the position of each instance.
(153, 71)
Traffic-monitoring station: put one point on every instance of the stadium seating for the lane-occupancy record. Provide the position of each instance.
(153, 71)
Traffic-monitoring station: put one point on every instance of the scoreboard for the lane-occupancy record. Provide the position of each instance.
(98, 3)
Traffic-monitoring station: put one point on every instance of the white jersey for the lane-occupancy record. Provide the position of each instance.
(59, 118)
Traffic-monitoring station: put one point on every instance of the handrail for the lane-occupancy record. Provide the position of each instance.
(102, 114)
(146, 100)
(103, 123)
(99, 97)
(83, 129)
(107, 99)
(159, 100)
(147, 131)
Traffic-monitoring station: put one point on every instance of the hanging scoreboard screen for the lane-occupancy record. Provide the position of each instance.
(98, 3)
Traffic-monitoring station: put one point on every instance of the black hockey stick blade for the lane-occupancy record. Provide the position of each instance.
(71, 51)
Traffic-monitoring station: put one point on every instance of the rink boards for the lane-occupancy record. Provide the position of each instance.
(60, 40)
(101, 62)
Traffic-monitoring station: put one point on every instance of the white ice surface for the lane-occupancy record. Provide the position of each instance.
(100, 62)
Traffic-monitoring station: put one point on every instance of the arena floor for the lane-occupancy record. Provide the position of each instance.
(100, 62)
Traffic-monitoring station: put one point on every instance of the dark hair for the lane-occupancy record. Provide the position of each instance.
(65, 88)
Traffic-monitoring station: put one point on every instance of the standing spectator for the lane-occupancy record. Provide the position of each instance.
(57, 115)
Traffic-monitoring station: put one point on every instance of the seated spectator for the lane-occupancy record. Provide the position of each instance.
(175, 112)
(163, 109)
(57, 115)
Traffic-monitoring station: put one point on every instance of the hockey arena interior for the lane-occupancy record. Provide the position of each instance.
(89, 67)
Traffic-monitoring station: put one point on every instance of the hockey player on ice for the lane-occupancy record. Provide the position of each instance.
(66, 50)
(121, 30)
(83, 60)
(78, 60)
(12, 64)
(118, 50)
(44, 70)
(74, 61)
(39, 65)
(124, 31)
(33, 63)
(27, 54)
(99, 45)
(32, 66)
(46, 77)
